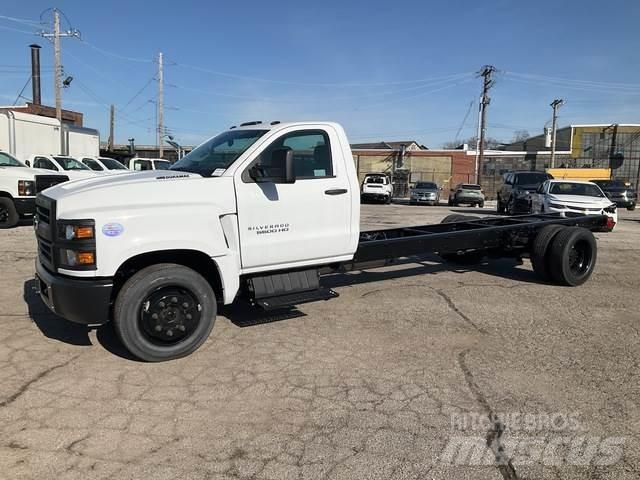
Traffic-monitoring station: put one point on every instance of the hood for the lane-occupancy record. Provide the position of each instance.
(143, 190)
(23, 173)
(76, 174)
(580, 200)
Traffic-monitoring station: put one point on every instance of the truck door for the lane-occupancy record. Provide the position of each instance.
(306, 221)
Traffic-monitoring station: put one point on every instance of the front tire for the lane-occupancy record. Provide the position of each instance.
(631, 208)
(164, 311)
(8, 215)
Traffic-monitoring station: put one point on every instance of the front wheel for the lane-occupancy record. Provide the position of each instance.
(631, 208)
(8, 215)
(164, 311)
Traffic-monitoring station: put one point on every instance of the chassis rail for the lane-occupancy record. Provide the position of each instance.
(507, 235)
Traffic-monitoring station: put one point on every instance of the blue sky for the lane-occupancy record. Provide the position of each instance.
(386, 70)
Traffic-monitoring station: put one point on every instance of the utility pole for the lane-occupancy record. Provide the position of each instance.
(557, 103)
(160, 106)
(57, 62)
(486, 72)
(112, 116)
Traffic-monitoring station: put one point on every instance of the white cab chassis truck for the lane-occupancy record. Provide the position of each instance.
(259, 213)
(18, 187)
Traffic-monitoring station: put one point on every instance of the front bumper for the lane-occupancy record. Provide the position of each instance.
(26, 207)
(612, 215)
(78, 300)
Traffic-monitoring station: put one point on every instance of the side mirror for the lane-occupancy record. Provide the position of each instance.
(280, 168)
(27, 163)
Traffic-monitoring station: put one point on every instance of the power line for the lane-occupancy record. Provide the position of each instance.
(11, 29)
(464, 120)
(138, 93)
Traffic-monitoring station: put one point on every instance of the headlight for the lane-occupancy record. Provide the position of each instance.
(72, 231)
(76, 244)
(556, 205)
(611, 208)
(26, 188)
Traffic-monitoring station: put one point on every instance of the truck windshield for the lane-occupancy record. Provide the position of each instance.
(219, 152)
(8, 161)
(68, 163)
(112, 164)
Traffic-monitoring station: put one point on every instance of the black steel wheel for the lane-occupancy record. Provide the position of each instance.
(164, 311)
(169, 315)
(572, 256)
(511, 206)
(8, 215)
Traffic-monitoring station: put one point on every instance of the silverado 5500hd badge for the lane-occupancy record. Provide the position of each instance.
(271, 228)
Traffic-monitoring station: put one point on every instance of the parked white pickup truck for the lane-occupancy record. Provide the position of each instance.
(69, 166)
(258, 212)
(18, 187)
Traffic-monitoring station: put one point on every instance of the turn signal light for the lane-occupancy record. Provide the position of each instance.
(73, 258)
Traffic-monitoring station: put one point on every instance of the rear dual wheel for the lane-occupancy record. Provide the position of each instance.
(565, 255)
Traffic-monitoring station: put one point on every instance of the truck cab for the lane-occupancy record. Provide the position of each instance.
(255, 201)
(64, 164)
(18, 187)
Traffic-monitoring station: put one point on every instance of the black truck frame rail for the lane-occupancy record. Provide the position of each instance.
(502, 236)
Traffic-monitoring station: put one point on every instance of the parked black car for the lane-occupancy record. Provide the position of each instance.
(620, 192)
(514, 194)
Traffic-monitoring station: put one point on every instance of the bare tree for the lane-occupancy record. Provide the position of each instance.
(520, 135)
(489, 143)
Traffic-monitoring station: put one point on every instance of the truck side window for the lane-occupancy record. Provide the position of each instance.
(41, 162)
(311, 153)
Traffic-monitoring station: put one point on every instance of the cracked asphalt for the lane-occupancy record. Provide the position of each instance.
(365, 386)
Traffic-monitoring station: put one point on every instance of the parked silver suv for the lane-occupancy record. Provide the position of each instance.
(425, 192)
(466, 193)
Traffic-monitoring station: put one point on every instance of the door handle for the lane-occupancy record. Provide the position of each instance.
(335, 191)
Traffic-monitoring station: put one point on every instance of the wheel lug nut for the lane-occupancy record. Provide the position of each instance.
(174, 299)
(188, 316)
(154, 316)
(181, 328)
(161, 304)
(169, 333)
(185, 305)
(158, 328)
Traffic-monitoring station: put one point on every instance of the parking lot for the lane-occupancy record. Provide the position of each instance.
(374, 384)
